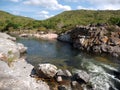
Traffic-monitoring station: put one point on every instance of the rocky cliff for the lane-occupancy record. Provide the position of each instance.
(100, 38)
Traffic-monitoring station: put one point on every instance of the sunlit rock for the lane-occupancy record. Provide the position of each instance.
(46, 70)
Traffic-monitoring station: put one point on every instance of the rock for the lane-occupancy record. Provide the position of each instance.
(21, 48)
(74, 83)
(6, 36)
(104, 48)
(46, 70)
(116, 51)
(114, 41)
(96, 49)
(104, 39)
(59, 79)
(64, 38)
(65, 73)
(81, 76)
(76, 86)
(24, 35)
(49, 36)
(36, 35)
(62, 88)
(95, 38)
(3, 56)
(9, 48)
(18, 77)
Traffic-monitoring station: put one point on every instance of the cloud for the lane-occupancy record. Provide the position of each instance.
(16, 13)
(71, 0)
(43, 12)
(81, 7)
(49, 4)
(15, 0)
(43, 15)
(104, 4)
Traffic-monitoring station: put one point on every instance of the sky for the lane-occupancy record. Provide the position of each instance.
(43, 9)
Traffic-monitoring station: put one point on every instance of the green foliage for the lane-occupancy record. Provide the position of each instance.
(10, 58)
(69, 19)
(12, 22)
(114, 21)
(61, 22)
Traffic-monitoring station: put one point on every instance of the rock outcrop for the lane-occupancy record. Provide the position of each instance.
(6, 36)
(14, 71)
(96, 38)
(18, 77)
(9, 48)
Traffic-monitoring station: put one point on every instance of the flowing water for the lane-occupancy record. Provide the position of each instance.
(104, 70)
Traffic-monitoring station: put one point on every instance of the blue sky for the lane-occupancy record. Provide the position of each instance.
(43, 9)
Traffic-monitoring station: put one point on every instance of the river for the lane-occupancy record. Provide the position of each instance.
(104, 70)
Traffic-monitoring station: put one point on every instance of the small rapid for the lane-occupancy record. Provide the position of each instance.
(104, 70)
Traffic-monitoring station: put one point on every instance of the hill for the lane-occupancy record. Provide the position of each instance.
(69, 19)
(12, 22)
(60, 22)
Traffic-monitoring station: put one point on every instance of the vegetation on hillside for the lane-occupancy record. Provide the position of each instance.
(12, 22)
(60, 22)
(69, 19)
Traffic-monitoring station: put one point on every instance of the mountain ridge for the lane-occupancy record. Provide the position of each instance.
(61, 22)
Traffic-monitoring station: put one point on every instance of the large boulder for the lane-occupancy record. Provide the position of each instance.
(46, 70)
(81, 76)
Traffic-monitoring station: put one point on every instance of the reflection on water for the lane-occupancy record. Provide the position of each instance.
(104, 72)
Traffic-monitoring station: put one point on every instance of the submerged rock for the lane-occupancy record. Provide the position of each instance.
(81, 76)
(46, 70)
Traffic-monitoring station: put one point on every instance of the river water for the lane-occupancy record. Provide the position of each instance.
(104, 70)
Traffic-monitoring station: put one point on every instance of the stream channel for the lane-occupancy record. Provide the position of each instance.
(104, 70)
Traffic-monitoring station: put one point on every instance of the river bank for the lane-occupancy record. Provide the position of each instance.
(35, 34)
(14, 70)
(96, 39)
